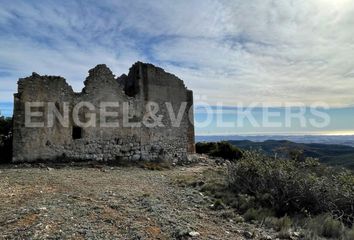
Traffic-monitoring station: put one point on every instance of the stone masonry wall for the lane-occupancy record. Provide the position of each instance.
(143, 84)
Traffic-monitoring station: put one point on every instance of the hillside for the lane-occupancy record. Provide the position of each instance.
(331, 154)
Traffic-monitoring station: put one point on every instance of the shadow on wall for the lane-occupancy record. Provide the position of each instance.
(5, 140)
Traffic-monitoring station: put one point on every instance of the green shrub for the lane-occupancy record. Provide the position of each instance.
(5, 139)
(279, 224)
(218, 205)
(220, 149)
(245, 202)
(332, 228)
(293, 187)
(5, 125)
(251, 214)
(257, 214)
(205, 147)
(284, 223)
(350, 234)
(324, 225)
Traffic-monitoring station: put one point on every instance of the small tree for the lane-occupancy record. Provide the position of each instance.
(5, 139)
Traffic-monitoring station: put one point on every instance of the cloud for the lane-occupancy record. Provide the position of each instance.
(275, 51)
(230, 51)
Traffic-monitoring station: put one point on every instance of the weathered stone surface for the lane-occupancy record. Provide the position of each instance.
(144, 83)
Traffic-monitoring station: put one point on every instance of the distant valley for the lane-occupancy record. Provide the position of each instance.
(325, 139)
(331, 150)
(331, 154)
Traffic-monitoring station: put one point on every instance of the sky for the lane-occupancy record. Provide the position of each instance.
(274, 52)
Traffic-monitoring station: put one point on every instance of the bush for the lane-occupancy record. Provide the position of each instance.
(205, 147)
(284, 223)
(251, 214)
(257, 214)
(324, 225)
(332, 228)
(279, 224)
(5, 125)
(5, 139)
(293, 187)
(220, 149)
(218, 205)
(350, 234)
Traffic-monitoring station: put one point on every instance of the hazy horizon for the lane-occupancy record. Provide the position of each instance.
(222, 117)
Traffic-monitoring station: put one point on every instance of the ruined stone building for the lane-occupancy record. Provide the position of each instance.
(144, 83)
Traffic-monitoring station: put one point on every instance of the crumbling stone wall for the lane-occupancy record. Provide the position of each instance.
(144, 83)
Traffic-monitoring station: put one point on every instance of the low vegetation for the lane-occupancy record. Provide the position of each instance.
(5, 139)
(286, 194)
(219, 149)
(287, 187)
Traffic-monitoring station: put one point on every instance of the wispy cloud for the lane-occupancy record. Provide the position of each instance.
(231, 51)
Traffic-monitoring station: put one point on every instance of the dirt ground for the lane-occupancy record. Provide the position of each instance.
(104, 202)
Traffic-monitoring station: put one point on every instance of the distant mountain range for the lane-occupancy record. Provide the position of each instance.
(325, 139)
(331, 150)
(331, 154)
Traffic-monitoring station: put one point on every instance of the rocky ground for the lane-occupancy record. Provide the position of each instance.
(105, 202)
